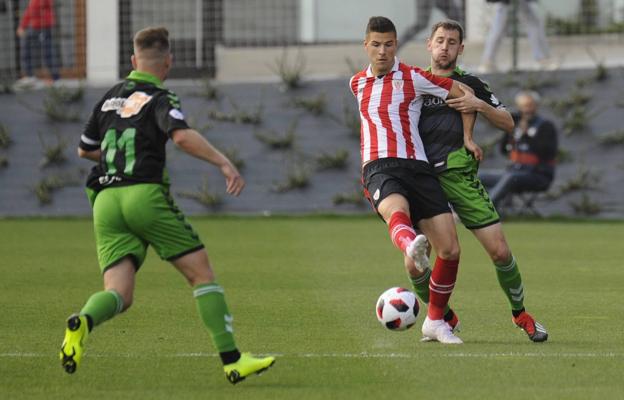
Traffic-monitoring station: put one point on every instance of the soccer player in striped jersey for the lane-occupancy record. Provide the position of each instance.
(442, 134)
(398, 180)
(132, 208)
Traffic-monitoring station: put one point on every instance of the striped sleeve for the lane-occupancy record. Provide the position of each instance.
(427, 83)
(353, 82)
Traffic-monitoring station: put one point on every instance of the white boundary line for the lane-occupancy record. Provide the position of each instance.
(350, 355)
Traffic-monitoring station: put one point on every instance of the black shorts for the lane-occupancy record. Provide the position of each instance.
(414, 179)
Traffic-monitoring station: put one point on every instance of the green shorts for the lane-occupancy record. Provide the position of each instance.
(466, 193)
(128, 219)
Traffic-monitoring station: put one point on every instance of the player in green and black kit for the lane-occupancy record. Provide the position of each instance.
(132, 208)
(456, 160)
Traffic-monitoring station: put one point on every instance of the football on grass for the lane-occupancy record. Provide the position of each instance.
(397, 309)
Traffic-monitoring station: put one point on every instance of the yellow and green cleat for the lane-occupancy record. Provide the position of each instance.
(72, 349)
(245, 366)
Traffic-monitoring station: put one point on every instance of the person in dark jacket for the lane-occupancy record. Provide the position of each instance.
(532, 149)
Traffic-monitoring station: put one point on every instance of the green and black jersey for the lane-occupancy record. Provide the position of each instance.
(441, 127)
(131, 125)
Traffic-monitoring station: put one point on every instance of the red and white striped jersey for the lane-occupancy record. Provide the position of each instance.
(390, 109)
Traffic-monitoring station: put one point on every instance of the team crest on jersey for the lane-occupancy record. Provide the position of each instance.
(397, 84)
(126, 108)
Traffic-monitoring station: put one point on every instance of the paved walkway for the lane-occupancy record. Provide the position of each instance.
(331, 61)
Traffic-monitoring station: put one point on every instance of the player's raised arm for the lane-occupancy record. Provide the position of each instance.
(191, 142)
(497, 116)
(465, 93)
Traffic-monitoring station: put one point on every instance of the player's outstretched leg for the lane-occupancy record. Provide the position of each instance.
(441, 286)
(245, 366)
(533, 329)
(420, 283)
(216, 317)
(100, 307)
(72, 349)
(417, 251)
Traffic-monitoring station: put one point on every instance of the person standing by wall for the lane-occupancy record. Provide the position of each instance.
(36, 25)
(534, 29)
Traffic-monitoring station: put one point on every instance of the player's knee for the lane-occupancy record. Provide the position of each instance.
(201, 278)
(500, 253)
(449, 252)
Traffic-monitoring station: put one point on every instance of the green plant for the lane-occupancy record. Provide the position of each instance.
(204, 196)
(4, 161)
(53, 154)
(314, 105)
(586, 206)
(297, 178)
(583, 180)
(351, 119)
(564, 156)
(279, 142)
(290, 73)
(208, 90)
(59, 112)
(612, 138)
(535, 82)
(45, 187)
(355, 197)
(238, 115)
(576, 99)
(65, 95)
(337, 160)
(5, 137)
(232, 154)
(576, 121)
(6, 86)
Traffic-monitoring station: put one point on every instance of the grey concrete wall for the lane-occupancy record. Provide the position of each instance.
(314, 135)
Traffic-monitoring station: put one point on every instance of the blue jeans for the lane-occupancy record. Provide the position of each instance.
(501, 183)
(44, 37)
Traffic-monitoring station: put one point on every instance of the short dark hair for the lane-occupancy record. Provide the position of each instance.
(152, 38)
(449, 25)
(380, 25)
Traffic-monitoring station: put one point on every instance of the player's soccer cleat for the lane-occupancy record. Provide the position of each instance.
(72, 349)
(417, 251)
(439, 330)
(453, 322)
(534, 330)
(245, 366)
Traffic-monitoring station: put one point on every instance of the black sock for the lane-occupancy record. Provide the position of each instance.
(449, 315)
(230, 357)
(89, 322)
(517, 312)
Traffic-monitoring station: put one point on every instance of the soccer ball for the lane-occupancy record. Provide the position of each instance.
(397, 309)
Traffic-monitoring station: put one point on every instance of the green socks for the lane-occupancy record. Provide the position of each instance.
(214, 312)
(510, 281)
(421, 287)
(102, 306)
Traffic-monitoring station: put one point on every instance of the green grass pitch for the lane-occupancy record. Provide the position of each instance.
(304, 289)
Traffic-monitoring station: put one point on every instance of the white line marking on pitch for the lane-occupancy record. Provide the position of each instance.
(347, 355)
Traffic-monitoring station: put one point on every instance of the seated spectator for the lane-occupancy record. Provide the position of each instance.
(531, 147)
